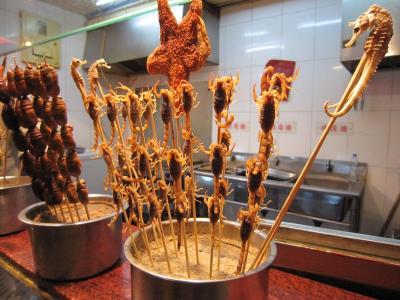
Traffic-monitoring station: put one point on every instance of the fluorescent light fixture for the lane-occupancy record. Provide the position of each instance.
(319, 24)
(28, 43)
(264, 47)
(103, 2)
(255, 33)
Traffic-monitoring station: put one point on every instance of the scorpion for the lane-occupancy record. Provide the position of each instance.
(249, 221)
(166, 113)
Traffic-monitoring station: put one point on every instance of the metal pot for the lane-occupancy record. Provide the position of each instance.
(73, 251)
(148, 285)
(15, 195)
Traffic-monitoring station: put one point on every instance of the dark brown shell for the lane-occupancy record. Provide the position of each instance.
(74, 164)
(166, 110)
(111, 111)
(46, 133)
(187, 101)
(59, 110)
(143, 164)
(134, 110)
(48, 115)
(60, 181)
(93, 110)
(28, 161)
(83, 192)
(225, 139)
(54, 195)
(117, 198)
(179, 211)
(40, 89)
(50, 80)
(38, 188)
(175, 169)
(245, 230)
(56, 142)
(4, 97)
(29, 79)
(71, 191)
(267, 114)
(35, 141)
(254, 181)
(19, 140)
(62, 165)
(38, 106)
(9, 116)
(67, 136)
(27, 115)
(220, 100)
(213, 212)
(217, 163)
(12, 89)
(20, 81)
(49, 163)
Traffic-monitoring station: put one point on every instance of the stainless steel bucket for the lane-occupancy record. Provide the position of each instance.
(147, 285)
(14, 196)
(73, 251)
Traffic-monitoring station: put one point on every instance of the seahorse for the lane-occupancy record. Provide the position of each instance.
(378, 20)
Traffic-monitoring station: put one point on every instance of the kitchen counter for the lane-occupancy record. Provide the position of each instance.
(16, 256)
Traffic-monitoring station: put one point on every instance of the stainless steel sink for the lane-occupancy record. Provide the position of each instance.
(328, 181)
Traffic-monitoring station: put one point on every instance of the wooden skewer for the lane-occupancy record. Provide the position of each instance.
(153, 126)
(77, 212)
(160, 229)
(21, 167)
(55, 213)
(212, 249)
(87, 211)
(155, 235)
(5, 159)
(247, 252)
(183, 228)
(62, 213)
(279, 218)
(69, 209)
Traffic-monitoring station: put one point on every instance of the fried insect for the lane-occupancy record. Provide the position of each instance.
(180, 211)
(12, 89)
(46, 133)
(49, 78)
(111, 115)
(278, 82)
(94, 113)
(249, 221)
(48, 162)
(268, 109)
(214, 211)
(48, 118)
(60, 181)
(73, 163)
(56, 142)
(29, 163)
(166, 112)
(39, 88)
(83, 192)
(254, 174)
(266, 145)
(26, 113)
(59, 110)
(4, 96)
(175, 162)
(217, 153)
(67, 136)
(29, 79)
(19, 140)
(63, 166)
(38, 106)
(38, 188)
(54, 195)
(19, 79)
(35, 141)
(219, 90)
(9, 116)
(71, 191)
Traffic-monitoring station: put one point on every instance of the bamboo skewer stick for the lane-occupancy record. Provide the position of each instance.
(21, 167)
(212, 249)
(183, 228)
(62, 213)
(69, 209)
(153, 126)
(161, 231)
(279, 218)
(77, 212)
(155, 235)
(5, 159)
(246, 253)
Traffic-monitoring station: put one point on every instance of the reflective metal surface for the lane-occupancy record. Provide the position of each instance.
(73, 251)
(147, 285)
(15, 195)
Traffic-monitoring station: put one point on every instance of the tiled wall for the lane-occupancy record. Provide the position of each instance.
(309, 32)
(70, 47)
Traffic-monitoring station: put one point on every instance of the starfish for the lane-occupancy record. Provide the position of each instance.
(183, 48)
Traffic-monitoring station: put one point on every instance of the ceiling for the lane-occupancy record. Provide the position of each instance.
(89, 9)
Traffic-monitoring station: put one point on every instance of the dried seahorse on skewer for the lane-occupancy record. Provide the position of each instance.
(93, 74)
(111, 114)
(379, 21)
(107, 153)
(77, 77)
(94, 110)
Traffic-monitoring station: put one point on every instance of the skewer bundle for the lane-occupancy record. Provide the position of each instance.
(33, 111)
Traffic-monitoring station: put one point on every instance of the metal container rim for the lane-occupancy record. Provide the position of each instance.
(5, 188)
(22, 216)
(264, 265)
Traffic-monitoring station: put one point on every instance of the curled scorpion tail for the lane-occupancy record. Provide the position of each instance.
(166, 136)
(241, 258)
(112, 135)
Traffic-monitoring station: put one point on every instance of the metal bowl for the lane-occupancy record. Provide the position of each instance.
(148, 285)
(73, 251)
(15, 195)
